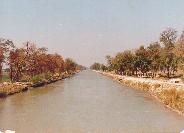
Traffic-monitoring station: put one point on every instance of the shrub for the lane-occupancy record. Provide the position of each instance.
(25, 78)
(38, 78)
(5, 78)
(48, 75)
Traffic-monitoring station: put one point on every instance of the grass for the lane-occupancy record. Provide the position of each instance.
(5, 77)
(173, 98)
(28, 78)
(38, 78)
(41, 77)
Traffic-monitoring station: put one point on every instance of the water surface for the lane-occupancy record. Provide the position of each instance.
(86, 103)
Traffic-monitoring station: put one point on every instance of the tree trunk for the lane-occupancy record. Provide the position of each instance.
(168, 72)
(1, 75)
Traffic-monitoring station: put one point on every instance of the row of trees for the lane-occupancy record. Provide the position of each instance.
(30, 61)
(98, 66)
(165, 56)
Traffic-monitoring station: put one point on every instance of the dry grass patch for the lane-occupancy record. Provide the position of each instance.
(11, 88)
(173, 98)
(157, 85)
(145, 86)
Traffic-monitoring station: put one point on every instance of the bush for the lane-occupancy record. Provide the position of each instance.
(38, 78)
(5, 78)
(48, 75)
(26, 78)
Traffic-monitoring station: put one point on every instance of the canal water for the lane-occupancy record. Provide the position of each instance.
(87, 103)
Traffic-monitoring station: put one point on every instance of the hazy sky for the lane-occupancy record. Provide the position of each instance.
(88, 30)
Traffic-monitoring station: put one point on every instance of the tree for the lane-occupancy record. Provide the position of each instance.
(142, 60)
(169, 62)
(5, 46)
(95, 66)
(129, 62)
(103, 67)
(80, 67)
(168, 39)
(17, 64)
(158, 56)
(1, 62)
(33, 61)
(154, 51)
(109, 62)
(179, 49)
(118, 63)
(123, 63)
(70, 65)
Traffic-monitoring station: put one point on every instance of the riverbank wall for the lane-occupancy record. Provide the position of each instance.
(170, 94)
(8, 88)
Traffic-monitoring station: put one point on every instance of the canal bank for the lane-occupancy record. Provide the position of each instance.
(8, 88)
(170, 94)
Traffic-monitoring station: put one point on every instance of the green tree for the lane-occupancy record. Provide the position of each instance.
(103, 67)
(129, 62)
(169, 59)
(179, 50)
(70, 65)
(109, 62)
(154, 51)
(142, 60)
(5, 46)
(118, 63)
(95, 66)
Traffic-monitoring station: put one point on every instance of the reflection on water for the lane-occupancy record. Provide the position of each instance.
(86, 103)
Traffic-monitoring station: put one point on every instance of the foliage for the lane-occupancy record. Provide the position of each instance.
(48, 75)
(5, 78)
(38, 78)
(70, 65)
(165, 55)
(5, 46)
(32, 63)
(96, 66)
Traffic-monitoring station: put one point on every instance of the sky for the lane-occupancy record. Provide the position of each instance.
(88, 30)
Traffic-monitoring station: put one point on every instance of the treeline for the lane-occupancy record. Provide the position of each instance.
(162, 58)
(98, 66)
(30, 61)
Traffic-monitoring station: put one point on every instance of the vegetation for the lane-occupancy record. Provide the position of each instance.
(5, 77)
(173, 98)
(30, 63)
(96, 66)
(162, 58)
(5, 47)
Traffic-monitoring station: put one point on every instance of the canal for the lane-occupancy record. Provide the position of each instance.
(86, 103)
